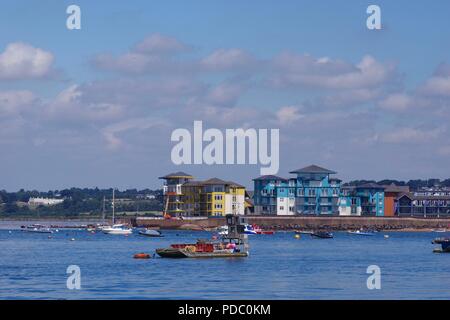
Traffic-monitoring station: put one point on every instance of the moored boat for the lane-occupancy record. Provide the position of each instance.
(36, 228)
(233, 244)
(361, 233)
(117, 229)
(445, 245)
(150, 233)
(303, 232)
(202, 249)
(322, 235)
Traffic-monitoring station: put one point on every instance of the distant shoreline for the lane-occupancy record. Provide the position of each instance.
(276, 223)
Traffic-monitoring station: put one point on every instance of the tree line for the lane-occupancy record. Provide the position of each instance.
(80, 201)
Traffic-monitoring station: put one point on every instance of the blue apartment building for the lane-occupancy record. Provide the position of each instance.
(314, 191)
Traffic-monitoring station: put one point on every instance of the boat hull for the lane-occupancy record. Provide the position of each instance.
(152, 233)
(181, 253)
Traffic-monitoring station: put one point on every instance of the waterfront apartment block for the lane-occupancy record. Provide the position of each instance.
(312, 192)
(363, 200)
(184, 196)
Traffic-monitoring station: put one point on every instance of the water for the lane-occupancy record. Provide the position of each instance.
(33, 266)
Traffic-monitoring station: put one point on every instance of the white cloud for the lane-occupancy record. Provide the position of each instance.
(159, 44)
(411, 135)
(293, 70)
(288, 114)
(69, 105)
(396, 102)
(436, 86)
(12, 102)
(227, 59)
(23, 61)
(111, 133)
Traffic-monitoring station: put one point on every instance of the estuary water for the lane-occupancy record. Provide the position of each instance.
(33, 266)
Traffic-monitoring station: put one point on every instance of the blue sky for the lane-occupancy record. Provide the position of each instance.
(378, 108)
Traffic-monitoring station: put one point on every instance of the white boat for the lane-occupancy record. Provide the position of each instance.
(361, 233)
(222, 231)
(116, 229)
(37, 228)
(150, 233)
(248, 229)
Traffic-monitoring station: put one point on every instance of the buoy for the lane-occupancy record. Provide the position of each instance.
(297, 236)
(141, 256)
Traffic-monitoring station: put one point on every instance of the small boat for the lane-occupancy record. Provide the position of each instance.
(150, 233)
(118, 229)
(445, 245)
(232, 245)
(322, 235)
(202, 249)
(258, 230)
(361, 233)
(36, 228)
(439, 230)
(222, 230)
(303, 232)
(248, 229)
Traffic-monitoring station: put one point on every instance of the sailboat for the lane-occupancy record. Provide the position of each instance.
(116, 228)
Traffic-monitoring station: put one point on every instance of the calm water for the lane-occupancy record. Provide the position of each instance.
(32, 266)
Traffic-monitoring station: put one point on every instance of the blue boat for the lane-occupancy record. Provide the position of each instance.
(445, 245)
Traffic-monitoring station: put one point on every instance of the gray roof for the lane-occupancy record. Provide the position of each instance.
(394, 188)
(313, 169)
(270, 177)
(370, 185)
(178, 174)
(213, 181)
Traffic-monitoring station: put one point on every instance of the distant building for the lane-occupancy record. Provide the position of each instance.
(213, 197)
(44, 201)
(173, 196)
(312, 192)
(363, 200)
(391, 195)
(411, 204)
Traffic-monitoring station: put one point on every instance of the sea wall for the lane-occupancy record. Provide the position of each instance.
(308, 223)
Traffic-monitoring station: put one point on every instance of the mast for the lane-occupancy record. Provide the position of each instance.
(113, 206)
(103, 212)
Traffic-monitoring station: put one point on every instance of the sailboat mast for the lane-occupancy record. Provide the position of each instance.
(113, 206)
(103, 212)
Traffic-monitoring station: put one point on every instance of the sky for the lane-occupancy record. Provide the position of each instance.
(96, 107)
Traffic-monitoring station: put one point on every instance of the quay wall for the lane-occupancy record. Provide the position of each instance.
(307, 223)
